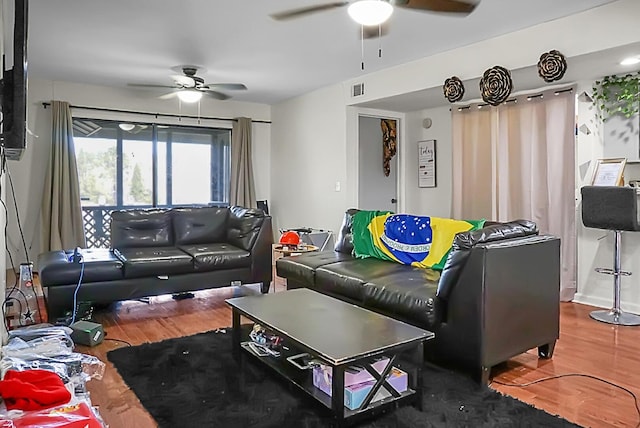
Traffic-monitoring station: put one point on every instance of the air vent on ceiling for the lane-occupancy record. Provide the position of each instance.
(358, 90)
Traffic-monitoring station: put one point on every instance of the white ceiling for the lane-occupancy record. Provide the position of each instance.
(115, 42)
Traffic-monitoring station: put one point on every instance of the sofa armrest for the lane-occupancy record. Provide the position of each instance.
(465, 241)
(261, 263)
(505, 302)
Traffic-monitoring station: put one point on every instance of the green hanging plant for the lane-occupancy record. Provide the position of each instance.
(617, 95)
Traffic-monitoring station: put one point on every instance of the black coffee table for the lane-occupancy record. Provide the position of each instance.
(340, 335)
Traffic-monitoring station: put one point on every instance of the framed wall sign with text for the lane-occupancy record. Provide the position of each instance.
(427, 163)
(608, 172)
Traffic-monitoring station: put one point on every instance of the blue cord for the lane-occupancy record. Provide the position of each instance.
(75, 294)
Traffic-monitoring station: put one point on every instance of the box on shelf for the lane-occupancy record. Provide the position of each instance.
(356, 374)
(355, 393)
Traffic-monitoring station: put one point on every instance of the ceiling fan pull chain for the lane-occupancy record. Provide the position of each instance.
(379, 40)
(362, 47)
(198, 112)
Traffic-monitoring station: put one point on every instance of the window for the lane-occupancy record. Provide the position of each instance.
(125, 165)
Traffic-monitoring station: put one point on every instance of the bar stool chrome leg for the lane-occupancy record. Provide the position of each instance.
(615, 315)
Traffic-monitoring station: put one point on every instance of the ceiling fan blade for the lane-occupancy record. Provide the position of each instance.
(296, 13)
(216, 95)
(186, 81)
(227, 86)
(168, 96)
(451, 6)
(142, 85)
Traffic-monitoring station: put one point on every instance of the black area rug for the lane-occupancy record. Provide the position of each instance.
(194, 382)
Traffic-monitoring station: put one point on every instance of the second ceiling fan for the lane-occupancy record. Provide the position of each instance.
(190, 88)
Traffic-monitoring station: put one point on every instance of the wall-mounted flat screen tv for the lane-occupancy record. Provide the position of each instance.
(14, 83)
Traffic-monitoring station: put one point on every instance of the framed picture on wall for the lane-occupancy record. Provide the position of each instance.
(427, 163)
(608, 172)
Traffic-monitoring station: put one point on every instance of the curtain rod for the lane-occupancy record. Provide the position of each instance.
(113, 110)
(515, 100)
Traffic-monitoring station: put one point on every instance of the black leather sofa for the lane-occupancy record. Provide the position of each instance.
(497, 296)
(160, 251)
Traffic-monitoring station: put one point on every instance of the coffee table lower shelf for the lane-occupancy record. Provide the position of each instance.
(359, 337)
(303, 380)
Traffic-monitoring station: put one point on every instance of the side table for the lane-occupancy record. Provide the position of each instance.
(279, 250)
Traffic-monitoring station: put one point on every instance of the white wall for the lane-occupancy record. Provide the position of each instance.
(308, 157)
(432, 201)
(595, 246)
(28, 173)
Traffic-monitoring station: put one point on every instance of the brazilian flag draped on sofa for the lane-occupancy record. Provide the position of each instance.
(419, 241)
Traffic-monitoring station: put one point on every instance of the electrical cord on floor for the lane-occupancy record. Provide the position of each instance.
(4, 305)
(14, 288)
(118, 340)
(75, 294)
(15, 204)
(520, 385)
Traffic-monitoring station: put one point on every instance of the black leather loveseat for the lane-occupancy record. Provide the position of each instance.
(162, 251)
(497, 296)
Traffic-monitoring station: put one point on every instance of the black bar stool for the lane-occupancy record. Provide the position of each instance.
(612, 208)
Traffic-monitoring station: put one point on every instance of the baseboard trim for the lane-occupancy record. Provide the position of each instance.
(606, 303)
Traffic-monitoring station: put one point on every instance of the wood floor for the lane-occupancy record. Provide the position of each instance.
(585, 347)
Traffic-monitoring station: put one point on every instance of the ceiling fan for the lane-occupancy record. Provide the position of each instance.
(190, 88)
(365, 9)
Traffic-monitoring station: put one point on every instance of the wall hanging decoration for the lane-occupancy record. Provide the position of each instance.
(617, 95)
(427, 163)
(496, 85)
(552, 66)
(453, 89)
(388, 143)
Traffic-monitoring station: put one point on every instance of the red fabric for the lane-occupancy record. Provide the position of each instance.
(33, 390)
(71, 416)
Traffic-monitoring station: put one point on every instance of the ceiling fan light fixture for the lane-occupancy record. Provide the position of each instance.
(126, 126)
(370, 12)
(189, 95)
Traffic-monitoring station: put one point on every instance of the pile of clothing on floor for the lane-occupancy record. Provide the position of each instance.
(44, 382)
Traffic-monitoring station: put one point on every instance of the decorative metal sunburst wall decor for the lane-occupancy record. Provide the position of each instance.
(496, 85)
(453, 89)
(552, 66)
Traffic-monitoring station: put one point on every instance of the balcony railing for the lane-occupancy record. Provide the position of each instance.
(97, 224)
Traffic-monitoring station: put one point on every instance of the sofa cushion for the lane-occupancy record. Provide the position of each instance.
(205, 225)
(209, 257)
(154, 261)
(410, 295)
(54, 267)
(141, 228)
(244, 226)
(303, 267)
(348, 278)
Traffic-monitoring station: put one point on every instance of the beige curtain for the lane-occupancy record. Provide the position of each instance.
(61, 211)
(472, 164)
(243, 190)
(517, 161)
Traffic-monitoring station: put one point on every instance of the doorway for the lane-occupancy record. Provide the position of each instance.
(376, 190)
